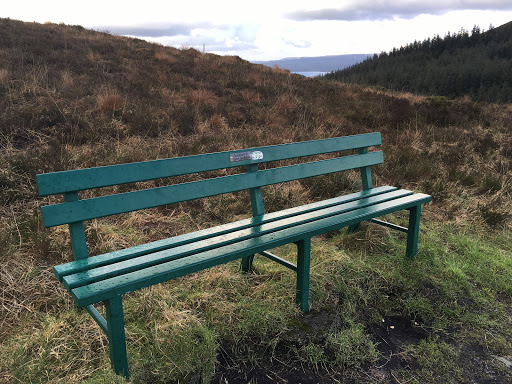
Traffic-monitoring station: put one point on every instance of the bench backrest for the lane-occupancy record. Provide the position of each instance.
(74, 211)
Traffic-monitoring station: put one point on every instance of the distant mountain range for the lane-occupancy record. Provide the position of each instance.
(316, 64)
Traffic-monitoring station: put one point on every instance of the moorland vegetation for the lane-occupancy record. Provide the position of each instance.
(75, 98)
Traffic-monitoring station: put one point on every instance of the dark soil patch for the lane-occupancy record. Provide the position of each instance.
(392, 335)
(280, 366)
(271, 372)
(312, 326)
(481, 368)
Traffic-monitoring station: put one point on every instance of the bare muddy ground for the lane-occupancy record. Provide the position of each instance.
(473, 365)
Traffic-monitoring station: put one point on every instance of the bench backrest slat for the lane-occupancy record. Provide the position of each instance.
(69, 212)
(83, 179)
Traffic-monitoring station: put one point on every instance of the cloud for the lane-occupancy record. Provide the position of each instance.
(298, 44)
(404, 9)
(231, 46)
(214, 38)
(172, 29)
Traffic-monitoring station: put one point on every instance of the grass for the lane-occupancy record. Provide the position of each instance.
(458, 290)
(72, 98)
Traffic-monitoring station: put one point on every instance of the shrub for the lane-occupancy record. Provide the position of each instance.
(490, 183)
(399, 111)
(4, 76)
(109, 102)
(439, 110)
(437, 189)
(332, 185)
(494, 214)
(486, 144)
(200, 97)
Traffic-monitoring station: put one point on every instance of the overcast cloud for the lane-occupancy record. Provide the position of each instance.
(152, 30)
(271, 29)
(404, 9)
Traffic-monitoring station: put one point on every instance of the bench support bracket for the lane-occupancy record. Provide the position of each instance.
(97, 318)
(389, 225)
(279, 260)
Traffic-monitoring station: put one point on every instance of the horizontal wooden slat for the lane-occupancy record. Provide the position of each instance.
(115, 269)
(70, 212)
(81, 179)
(156, 246)
(119, 285)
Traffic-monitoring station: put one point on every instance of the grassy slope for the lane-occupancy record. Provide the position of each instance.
(75, 98)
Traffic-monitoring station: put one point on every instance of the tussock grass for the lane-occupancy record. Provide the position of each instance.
(175, 329)
(4, 76)
(109, 102)
(162, 102)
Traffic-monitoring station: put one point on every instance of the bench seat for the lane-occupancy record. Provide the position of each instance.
(102, 277)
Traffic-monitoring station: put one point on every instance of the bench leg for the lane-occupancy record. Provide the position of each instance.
(116, 336)
(246, 263)
(413, 231)
(303, 257)
(352, 228)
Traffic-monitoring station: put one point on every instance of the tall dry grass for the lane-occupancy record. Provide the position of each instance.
(4, 76)
(72, 98)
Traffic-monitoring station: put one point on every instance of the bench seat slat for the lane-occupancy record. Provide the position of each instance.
(70, 212)
(115, 269)
(139, 250)
(81, 179)
(119, 285)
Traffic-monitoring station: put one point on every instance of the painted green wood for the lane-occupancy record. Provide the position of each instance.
(366, 181)
(352, 228)
(107, 277)
(81, 179)
(255, 194)
(246, 263)
(303, 261)
(279, 260)
(366, 175)
(105, 289)
(102, 323)
(76, 232)
(413, 231)
(156, 246)
(257, 210)
(126, 266)
(116, 336)
(64, 213)
(390, 225)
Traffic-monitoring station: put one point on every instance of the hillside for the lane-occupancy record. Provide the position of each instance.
(74, 98)
(315, 64)
(476, 64)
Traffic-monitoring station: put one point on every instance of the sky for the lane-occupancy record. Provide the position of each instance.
(271, 29)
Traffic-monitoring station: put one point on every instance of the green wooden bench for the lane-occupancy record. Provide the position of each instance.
(105, 278)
